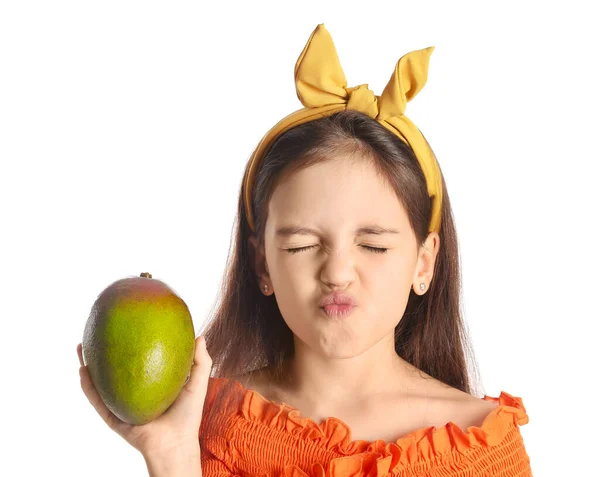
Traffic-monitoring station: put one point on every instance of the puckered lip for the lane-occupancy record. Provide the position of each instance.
(337, 298)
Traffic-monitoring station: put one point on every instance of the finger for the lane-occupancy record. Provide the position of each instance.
(191, 398)
(201, 367)
(202, 360)
(96, 401)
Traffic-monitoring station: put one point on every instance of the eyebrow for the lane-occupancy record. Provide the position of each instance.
(365, 230)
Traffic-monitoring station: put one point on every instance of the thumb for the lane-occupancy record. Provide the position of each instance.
(201, 367)
(193, 393)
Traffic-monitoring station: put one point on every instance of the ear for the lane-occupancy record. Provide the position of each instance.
(426, 263)
(259, 261)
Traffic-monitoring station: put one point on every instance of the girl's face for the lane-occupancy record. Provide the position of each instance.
(334, 199)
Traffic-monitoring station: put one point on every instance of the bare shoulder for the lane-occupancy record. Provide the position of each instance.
(466, 410)
(259, 381)
(441, 403)
(430, 403)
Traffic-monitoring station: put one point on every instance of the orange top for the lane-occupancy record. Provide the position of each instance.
(266, 439)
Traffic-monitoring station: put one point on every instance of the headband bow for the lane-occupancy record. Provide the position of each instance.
(322, 88)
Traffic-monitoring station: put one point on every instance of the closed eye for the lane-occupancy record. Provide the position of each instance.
(372, 249)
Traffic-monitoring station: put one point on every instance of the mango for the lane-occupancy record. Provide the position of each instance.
(138, 346)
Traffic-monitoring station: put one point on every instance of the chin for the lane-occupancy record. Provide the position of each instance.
(328, 342)
(334, 349)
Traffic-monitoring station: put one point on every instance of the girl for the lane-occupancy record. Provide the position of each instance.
(338, 347)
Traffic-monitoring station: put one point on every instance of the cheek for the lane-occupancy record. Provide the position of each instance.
(290, 275)
(393, 276)
(389, 290)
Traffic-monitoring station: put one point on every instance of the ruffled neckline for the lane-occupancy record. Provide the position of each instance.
(425, 444)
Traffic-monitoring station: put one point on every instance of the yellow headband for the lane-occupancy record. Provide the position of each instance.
(321, 87)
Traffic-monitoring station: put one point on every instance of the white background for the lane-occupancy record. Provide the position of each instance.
(124, 131)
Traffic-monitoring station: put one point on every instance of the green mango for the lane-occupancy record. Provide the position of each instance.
(138, 346)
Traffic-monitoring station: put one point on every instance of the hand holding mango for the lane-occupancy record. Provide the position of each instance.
(139, 351)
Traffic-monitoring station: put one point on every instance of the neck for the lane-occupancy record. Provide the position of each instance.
(327, 382)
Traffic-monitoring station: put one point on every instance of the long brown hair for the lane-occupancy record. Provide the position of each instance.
(246, 330)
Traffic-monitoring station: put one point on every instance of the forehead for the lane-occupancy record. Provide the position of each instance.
(338, 193)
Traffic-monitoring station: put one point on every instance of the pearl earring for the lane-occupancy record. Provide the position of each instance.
(266, 287)
(422, 286)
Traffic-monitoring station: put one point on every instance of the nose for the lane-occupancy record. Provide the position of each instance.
(338, 269)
